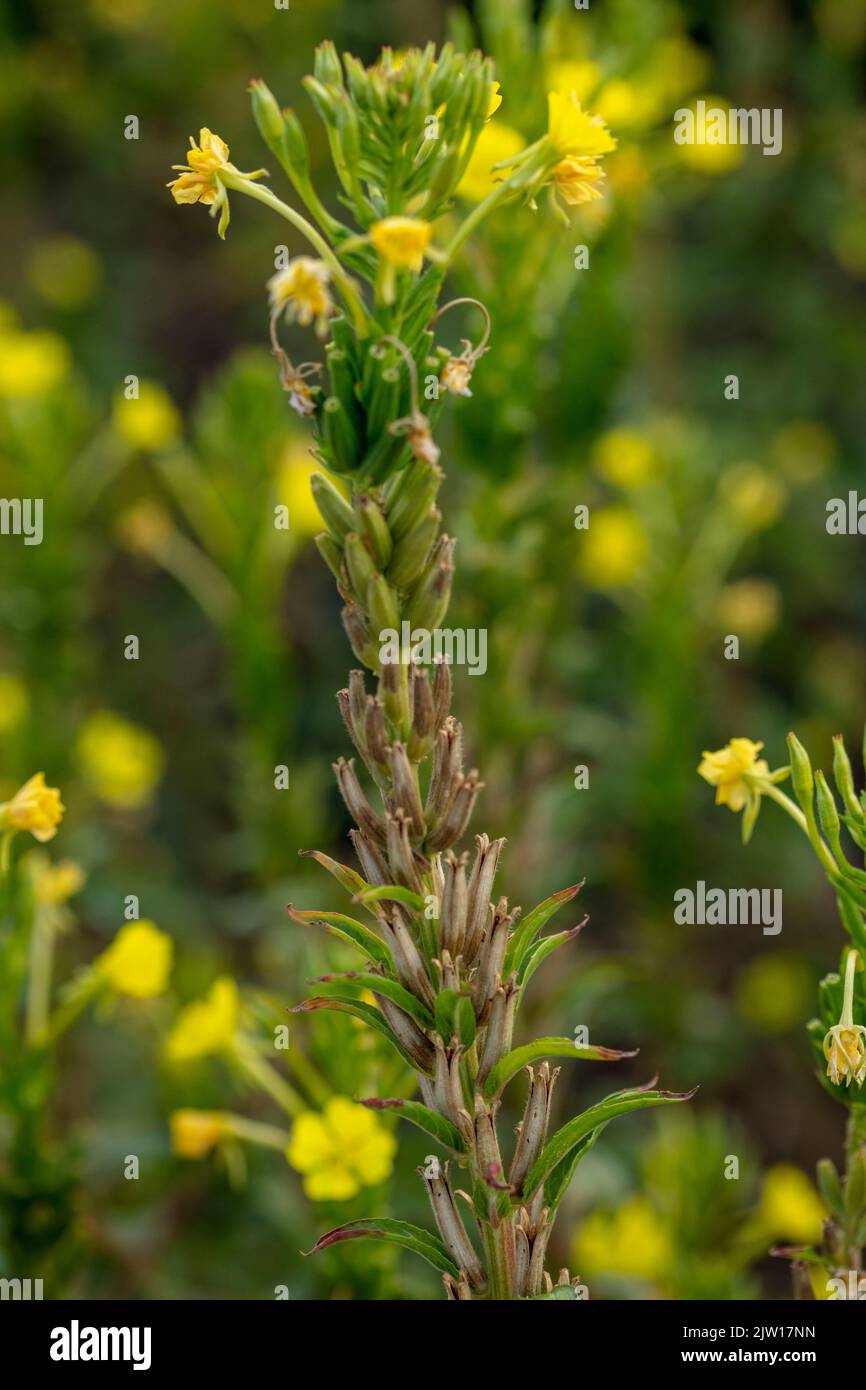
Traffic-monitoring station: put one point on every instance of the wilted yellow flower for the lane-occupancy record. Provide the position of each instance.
(195, 1132)
(573, 132)
(150, 421)
(34, 807)
(206, 1026)
(302, 290)
(138, 961)
(624, 457)
(340, 1150)
(577, 180)
(496, 142)
(14, 703)
(750, 608)
(54, 884)
(197, 182)
(790, 1208)
(121, 761)
(402, 241)
(613, 549)
(32, 363)
(631, 1241)
(730, 769)
(845, 1043)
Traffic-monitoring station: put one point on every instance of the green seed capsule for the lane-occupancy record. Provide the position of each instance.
(336, 512)
(412, 551)
(360, 565)
(414, 499)
(330, 553)
(382, 605)
(340, 434)
(374, 529)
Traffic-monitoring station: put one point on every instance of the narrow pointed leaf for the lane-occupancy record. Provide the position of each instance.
(347, 929)
(393, 893)
(367, 1013)
(380, 984)
(532, 924)
(513, 1062)
(557, 1182)
(433, 1124)
(565, 1139)
(413, 1238)
(346, 877)
(544, 948)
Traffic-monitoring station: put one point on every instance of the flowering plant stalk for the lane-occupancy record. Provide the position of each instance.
(838, 1033)
(445, 961)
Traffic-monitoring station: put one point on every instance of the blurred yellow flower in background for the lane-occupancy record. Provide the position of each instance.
(726, 770)
(293, 490)
(402, 241)
(496, 142)
(624, 457)
(804, 450)
(790, 1208)
(774, 992)
(150, 421)
(705, 157)
(573, 75)
(34, 807)
(54, 884)
(122, 762)
(138, 961)
(340, 1150)
(613, 549)
(207, 1025)
(14, 703)
(64, 272)
(630, 1241)
(145, 526)
(755, 496)
(194, 1133)
(750, 608)
(31, 364)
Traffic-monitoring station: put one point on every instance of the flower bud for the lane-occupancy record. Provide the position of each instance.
(374, 529)
(360, 566)
(419, 485)
(336, 512)
(382, 605)
(331, 554)
(411, 552)
(358, 633)
(801, 772)
(828, 814)
(267, 115)
(844, 778)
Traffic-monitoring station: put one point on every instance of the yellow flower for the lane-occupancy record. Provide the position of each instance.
(730, 770)
(495, 99)
(302, 290)
(138, 961)
(845, 1043)
(206, 1026)
(572, 75)
(198, 181)
(790, 1208)
(150, 421)
(573, 132)
(34, 807)
(577, 179)
(340, 1150)
(613, 549)
(496, 142)
(401, 241)
(32, 364)
(631, 1241)
(750, 607)
(624, 457)
(54, 884)
(14, 703)
(144, 527)
(122, 762)
(195, 1132)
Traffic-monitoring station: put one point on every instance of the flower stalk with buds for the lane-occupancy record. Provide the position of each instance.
(445, 959)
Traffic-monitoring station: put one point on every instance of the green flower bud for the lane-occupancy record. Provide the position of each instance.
(374, 529)
(331, 554)
(382, 605)
(801, 772)
(267, 115)
(844, 778)
(413, 498)
(828, 815)
(340, 435)
(411, 551)
(336, 512)
(360, 565)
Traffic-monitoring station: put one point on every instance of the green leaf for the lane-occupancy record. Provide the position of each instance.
(532, 924)
(413, 1238)
(565, 1139)
(367, 1013)
(513, 1062)
(455, 1017)
(346, 877)
(542, 949)
(433, 1124)
(558, 1181)
(347, 929)
(380, 984)
(393, 893)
